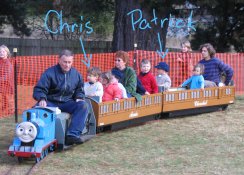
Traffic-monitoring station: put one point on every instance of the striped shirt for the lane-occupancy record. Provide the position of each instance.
(213, 69)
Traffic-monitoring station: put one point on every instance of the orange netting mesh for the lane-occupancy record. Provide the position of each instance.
(30, 68)
(6, 87)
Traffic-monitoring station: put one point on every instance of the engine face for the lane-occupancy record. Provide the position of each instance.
(26, 131)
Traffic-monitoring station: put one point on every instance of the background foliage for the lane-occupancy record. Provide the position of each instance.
(218, 22)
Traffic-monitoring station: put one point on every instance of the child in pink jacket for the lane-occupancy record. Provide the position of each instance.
(111, 89)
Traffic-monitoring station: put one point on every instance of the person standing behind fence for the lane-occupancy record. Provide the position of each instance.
(213, 67)
(6, 82)
(147, 79)
(184, 63)
(196, 80)
(129, 78)
(62, 86)
(93, 88)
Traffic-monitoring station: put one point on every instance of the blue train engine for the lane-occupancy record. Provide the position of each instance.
(35, 135)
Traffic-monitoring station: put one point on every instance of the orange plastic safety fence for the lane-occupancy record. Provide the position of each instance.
(6, 87)
(30, 68)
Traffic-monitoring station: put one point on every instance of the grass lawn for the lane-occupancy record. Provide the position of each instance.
(211, 143)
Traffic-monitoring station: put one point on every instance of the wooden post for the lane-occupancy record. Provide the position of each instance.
(15, 86)
(135, 58)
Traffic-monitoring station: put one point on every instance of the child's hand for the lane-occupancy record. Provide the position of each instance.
(221, 84)
(43, 103)
(147, 93)
(77, 100)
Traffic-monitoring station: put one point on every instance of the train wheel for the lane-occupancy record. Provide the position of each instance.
(224, 107)
(157, 117)
(51, 148)
(43, 154)
(165, 115)
(20, 159)
(38, 159)
(100, 129)
(46, 152)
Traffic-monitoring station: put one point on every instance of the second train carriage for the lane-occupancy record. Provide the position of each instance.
(174, 102)
(184, 102)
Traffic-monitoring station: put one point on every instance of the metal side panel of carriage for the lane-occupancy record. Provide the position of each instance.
(63, 121)
(61, 125)
(90, 128)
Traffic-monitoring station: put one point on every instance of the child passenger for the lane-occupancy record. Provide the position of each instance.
(116, 76)
(162, 78)
(110, 88)
(196, 80)
(93, 87)
(147, 79)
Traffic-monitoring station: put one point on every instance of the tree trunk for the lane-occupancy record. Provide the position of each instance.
(124, 37)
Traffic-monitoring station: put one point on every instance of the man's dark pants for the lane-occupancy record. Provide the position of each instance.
(78, 111)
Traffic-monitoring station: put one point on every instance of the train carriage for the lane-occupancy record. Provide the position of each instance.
(175, 102)
(125, 110)
(183, 102)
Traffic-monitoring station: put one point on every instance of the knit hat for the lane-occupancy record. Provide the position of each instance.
(162, 65)
(117, 74)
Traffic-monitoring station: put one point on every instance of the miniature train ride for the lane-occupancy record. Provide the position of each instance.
(43, 129)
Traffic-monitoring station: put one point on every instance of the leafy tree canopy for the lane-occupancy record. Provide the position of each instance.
(99, 12)
(219, 22)
(223, 26)
(13, 12)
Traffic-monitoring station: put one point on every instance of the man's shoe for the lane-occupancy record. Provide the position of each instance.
(71, 140)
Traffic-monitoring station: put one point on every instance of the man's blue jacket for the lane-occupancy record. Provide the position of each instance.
(59, 87)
